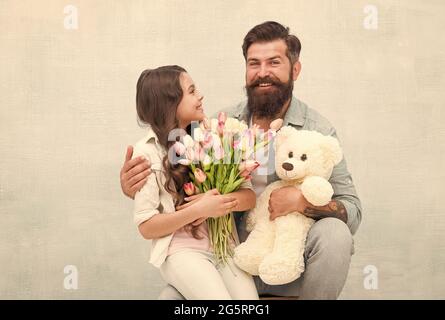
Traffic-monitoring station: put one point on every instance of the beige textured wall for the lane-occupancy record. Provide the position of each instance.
(67, 112)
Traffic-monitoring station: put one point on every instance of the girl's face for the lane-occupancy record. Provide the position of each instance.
(190, 108)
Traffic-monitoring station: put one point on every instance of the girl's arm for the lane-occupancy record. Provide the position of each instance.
(245, 197)
(150, 221)
(161, 225)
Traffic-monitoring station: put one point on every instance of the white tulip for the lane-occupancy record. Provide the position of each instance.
(188, 141)
(184, 162)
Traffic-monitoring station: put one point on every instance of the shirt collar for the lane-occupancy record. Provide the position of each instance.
(242, 112)
(151, 135)
(295, 114)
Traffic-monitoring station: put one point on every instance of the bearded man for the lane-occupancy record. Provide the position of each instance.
(272, 66)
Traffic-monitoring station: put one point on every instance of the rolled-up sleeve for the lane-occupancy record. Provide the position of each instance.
(344, 191)
(147, 200)
(341, 179)
(246, 184)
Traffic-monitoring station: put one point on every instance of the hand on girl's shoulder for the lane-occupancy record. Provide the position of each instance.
(145, 148)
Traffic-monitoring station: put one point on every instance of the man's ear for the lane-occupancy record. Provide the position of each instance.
(296, 70)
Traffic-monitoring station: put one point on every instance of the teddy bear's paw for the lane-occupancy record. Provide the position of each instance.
(276, 270)
(248, 259)
(317, 190)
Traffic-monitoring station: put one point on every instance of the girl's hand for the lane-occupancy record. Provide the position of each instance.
(213, 205)
(190, 200)
(199, 221)
(193, 197)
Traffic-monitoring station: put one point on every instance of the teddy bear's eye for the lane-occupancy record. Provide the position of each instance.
(303, 157)
(291, 154)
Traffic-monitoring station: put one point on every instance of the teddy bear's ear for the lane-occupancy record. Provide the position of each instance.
(332, 150)
(283, 134)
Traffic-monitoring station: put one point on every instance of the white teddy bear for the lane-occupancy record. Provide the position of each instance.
(274, 249)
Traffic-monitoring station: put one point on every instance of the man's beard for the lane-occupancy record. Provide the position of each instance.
(269, 104)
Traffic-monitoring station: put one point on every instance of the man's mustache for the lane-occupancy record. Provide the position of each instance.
(259, 81)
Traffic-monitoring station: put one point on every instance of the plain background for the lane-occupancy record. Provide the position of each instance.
(67, 113)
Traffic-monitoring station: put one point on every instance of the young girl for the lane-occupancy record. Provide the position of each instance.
(167, 99)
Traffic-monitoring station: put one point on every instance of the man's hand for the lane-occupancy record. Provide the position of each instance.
(286, 200)
(289, 199)
(134, 173)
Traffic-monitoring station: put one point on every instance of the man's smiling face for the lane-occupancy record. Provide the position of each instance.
(267, 59)
(269, 77)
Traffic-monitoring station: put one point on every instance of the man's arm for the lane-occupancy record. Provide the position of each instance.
(341, 179)
(290, 199)
(345, 193)
(134, 173)
(334, 209)
(345, 204)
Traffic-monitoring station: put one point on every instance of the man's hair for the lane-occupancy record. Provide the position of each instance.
(270, 31)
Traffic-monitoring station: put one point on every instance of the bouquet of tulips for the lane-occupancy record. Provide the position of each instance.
(221, 155)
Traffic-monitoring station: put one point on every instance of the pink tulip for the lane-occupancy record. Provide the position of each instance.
(199, 153)
(247, 139)
(208, 140)
(218, 153)
(220, 128)
(222, 117)
(206, 123)
(248, 166)
(216, 141)
(190, 154)
(268, 135)
(237, 144)
(254, 129)
(188, 141)
(251, 165)
(276, 124)
(189, 188)
(200, 175)
(179, 148)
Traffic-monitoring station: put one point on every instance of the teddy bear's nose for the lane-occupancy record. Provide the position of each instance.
(288, 166)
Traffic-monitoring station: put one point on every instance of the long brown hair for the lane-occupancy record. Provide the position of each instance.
(158, 94)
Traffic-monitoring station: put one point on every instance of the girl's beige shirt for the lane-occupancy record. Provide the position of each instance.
(154, 199)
